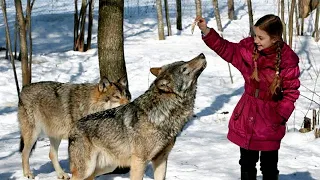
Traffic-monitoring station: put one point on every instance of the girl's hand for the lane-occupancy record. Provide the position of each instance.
(202, 24)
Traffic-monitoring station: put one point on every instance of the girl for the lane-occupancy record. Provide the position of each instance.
(270, 71)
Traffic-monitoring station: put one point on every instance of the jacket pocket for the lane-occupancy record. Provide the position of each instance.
(277, 118)
(237, 110)
(269, 125)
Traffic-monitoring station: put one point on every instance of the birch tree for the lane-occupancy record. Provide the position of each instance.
(217, 14)
(198, 8)
(160, 20)
(293, 5)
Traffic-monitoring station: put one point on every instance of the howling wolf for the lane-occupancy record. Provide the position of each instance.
(141, 131)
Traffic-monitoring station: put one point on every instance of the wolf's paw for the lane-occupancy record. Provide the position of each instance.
(29, 175)
(63, 176)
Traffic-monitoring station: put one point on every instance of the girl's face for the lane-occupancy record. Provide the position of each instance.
(262, 39)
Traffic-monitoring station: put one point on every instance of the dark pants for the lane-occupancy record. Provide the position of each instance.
(268, 161)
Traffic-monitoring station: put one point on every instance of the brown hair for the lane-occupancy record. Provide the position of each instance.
(272, 25)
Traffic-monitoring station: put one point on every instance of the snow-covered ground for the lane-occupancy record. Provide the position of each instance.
(202, 151)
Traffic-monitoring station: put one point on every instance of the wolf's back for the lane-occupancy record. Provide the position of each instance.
(44, 95)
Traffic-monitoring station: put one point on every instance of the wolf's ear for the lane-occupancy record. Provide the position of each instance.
(123, 81)
(155, 71)
(164, 85)
(104, 82)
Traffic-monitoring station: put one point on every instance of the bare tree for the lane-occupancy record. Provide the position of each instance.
(250, 17)
(16, 32)
(316, 24)
(297, 19)
(160, 20)
(166, 8)
(90, 23)
(110, 40)
(24, 26)
(303, 6)
(179, 15)
(293, 5)
(4, 11)
(231, 15)
(283, 21)
(217, 14)
(80, 25)
(198, 8)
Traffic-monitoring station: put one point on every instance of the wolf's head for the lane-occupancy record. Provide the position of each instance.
(112, 94)
(179, 77)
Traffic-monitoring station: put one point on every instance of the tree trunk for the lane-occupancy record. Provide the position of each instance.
(16, 31)
(7, 51)
(283, 21)
(23, 44)
(198, 8)
(297, 19)
(179, 15)
(293, 5)
(160, 20)
(316, 24)
(4, 11)
(166, 8)
(28, 24)
(250, 17)
(75, 25)
(217, 14)
(89, 37)
(79, 46)
(231, 15)
(110, 40)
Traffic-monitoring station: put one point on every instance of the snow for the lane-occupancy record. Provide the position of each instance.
(202, 150)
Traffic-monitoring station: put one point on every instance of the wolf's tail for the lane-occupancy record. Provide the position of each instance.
(22, 145)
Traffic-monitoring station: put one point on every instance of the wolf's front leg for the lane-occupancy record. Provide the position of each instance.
(159, 163)
(138, 166)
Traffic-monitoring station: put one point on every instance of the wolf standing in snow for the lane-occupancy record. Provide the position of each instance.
(141, 131)
(53, 108)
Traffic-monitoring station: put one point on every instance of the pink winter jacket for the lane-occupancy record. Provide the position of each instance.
(258, 122)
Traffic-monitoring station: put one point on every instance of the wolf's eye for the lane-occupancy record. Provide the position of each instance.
(184, 69)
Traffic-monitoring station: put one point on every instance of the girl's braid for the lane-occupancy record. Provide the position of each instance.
(276, 83)
(255, 56)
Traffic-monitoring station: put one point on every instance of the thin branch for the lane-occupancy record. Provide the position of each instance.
(310, 99)
(310, 90)
(9, 45)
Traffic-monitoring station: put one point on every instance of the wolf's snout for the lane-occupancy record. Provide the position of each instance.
(202, 56)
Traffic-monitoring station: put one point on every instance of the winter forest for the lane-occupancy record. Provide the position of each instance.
(82, 41)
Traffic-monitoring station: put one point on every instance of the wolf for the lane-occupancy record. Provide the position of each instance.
(141, 131)
(52, 108)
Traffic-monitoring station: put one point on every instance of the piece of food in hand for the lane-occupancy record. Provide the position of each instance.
(193, 25)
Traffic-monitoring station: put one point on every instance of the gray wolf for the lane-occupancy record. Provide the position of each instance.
(52, 108)
(143, 130)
